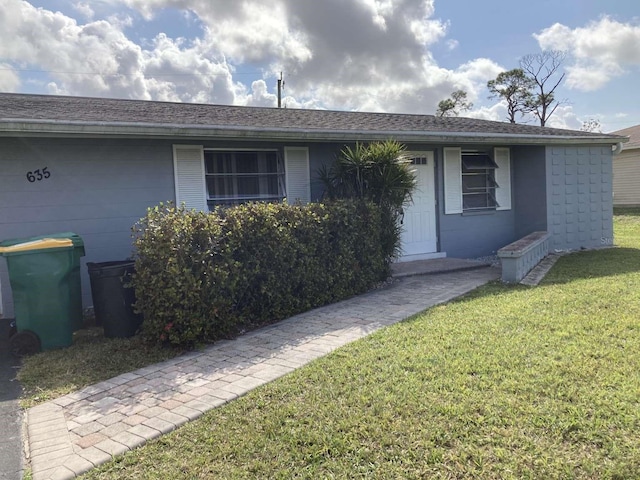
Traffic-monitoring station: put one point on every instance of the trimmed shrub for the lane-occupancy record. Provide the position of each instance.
(181, 259)
(205, 276)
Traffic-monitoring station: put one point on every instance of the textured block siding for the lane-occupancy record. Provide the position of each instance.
(520, 257)
(97, 189)
(626, 178)
(579, 197)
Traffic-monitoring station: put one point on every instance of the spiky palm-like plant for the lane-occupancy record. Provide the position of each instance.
(379, 172)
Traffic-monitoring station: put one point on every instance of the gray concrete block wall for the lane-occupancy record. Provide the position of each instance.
(97, 188)
(520, 257)
(320, 154)
(579, 197)
(529, 189)
(476, 235)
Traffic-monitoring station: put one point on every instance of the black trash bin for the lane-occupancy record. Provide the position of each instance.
(113, 298)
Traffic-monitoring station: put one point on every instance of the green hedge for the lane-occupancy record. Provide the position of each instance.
(205, 276)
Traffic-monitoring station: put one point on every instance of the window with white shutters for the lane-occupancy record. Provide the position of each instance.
(476, 180)
(208, 177)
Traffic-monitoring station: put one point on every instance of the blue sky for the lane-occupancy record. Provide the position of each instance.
(368, 55)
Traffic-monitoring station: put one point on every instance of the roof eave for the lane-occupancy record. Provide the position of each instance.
(53, 128)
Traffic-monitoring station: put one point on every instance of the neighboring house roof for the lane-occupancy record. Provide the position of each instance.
(22, 114)
(634, 137)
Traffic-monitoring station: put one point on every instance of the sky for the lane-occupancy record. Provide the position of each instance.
(364, 55)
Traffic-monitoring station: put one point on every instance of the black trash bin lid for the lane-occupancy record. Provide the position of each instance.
(116, 268)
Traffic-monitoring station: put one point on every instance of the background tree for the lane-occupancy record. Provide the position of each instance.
(515, 88)
(544, 70)
(453, 106)
(591, 125)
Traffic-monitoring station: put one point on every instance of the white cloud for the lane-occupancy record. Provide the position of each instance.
(601, 51)
(98, 59)
(495, 112)
(355, 54)
(9, 79)
(84, 9)
(479, 70)
(259, 96)
(54, 89)
(452, 44)
(338, 54)
(565, 117)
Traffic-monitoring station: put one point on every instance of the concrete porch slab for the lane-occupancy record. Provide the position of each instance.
(436, 265)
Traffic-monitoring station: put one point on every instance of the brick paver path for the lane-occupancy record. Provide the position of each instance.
(72, 434)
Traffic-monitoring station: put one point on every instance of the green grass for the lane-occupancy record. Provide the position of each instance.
(91, 359)
(507, 382)
(626, 226)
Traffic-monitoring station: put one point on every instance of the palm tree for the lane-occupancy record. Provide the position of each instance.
(379, 172)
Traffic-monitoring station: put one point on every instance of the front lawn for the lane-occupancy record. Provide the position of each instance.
(507, 382)
(91, 359)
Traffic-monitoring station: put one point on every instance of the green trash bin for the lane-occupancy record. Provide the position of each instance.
(44, 273)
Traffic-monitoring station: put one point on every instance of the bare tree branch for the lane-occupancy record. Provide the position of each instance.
(544, 70)
(591, 125)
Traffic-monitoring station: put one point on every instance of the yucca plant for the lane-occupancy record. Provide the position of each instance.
(378, 172)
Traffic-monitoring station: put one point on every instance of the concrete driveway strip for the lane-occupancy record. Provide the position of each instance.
(10, 413)
(72, 434)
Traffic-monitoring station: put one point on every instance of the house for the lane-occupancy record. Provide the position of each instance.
(626, 170)
(93, 165)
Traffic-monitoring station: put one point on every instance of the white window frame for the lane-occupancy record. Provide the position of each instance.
(452, 167)
(190, 174)
(485, 175)
(234, 176)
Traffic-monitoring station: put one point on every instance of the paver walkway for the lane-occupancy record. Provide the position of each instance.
(74, 433)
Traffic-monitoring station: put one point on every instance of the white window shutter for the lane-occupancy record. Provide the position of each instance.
(296, 164)
(190, 184)
(452, 180)
(502, 158)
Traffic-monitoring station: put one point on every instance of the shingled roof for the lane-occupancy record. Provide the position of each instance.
(634, 137)
(22, 114)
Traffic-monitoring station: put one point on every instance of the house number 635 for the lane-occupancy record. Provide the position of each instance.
(38, 175)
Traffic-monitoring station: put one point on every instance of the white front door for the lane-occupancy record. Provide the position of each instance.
(419, 238)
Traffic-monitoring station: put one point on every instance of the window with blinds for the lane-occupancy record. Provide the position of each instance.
(234, 177)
